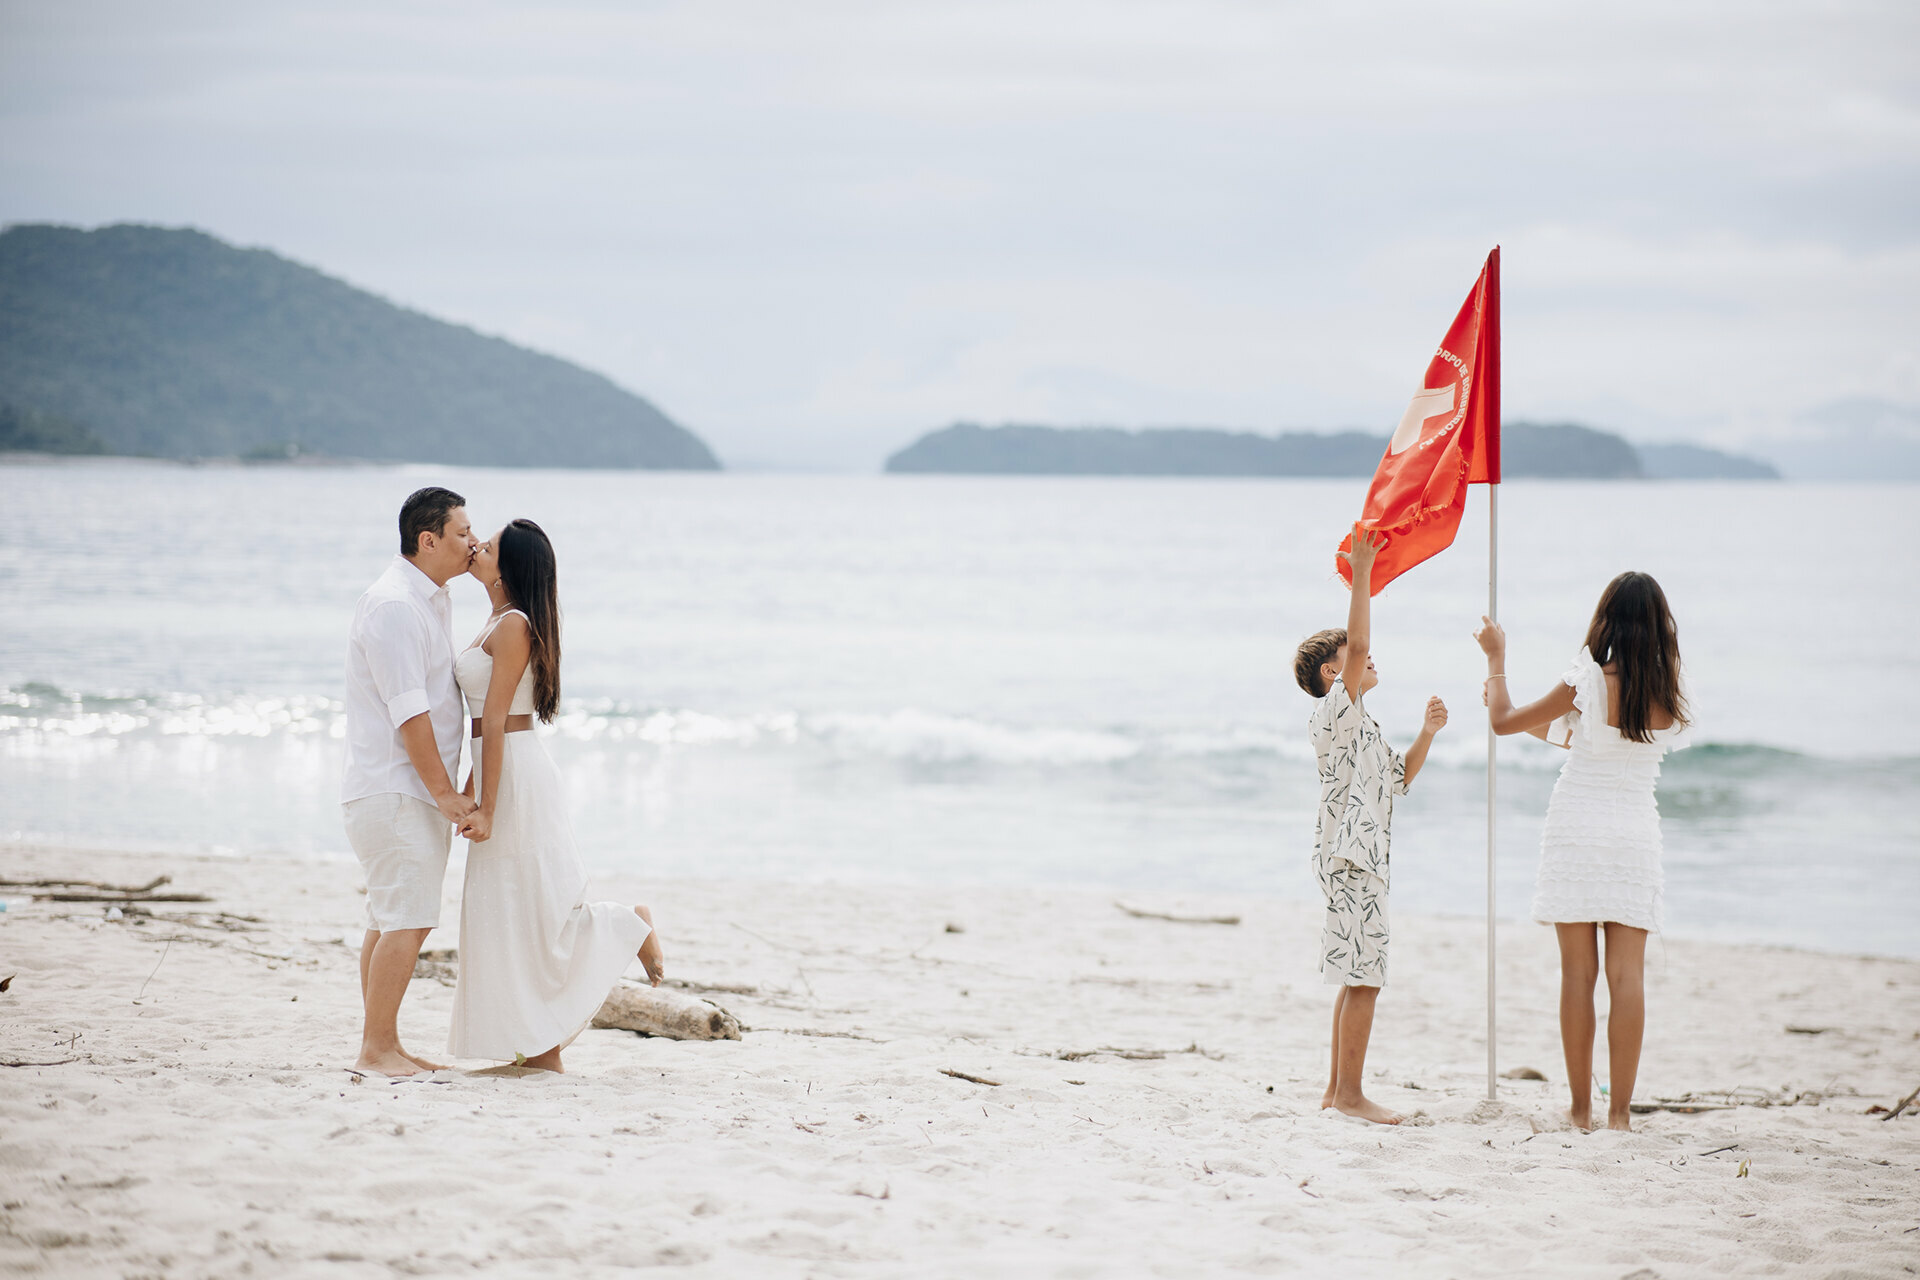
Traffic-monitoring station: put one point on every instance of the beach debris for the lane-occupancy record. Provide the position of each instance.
(1144, 913)
(1742, 1172)
(148, 887)
(1904, 1104)
(1717, 1150)
(1792, 1030)
(955, 928)
(1522, 1073)
(668, 1014)
(56, 1062)
(726, 988)
(438, 964)
(1134, 1055)
(1683, 1107)
(961, 1075)
(6, 981)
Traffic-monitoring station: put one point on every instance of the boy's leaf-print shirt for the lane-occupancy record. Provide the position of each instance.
(1359, 777)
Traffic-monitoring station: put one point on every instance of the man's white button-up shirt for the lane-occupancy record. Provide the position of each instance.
(399, 665)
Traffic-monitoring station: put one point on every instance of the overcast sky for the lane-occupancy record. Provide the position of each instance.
(812, 231)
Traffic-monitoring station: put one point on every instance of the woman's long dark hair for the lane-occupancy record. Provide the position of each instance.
(531, 578)
(1633, 630)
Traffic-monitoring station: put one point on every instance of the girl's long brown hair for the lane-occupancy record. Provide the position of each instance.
(531, 578)
(1633, 630)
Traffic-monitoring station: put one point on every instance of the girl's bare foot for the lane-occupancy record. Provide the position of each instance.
(548, 1061)
(1326, 1099)
(422, 1063)
(652, 958)
(1367, 1109)
(1622, 1122)
(1581, 1118)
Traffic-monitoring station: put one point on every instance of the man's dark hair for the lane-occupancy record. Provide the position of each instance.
(425, 511)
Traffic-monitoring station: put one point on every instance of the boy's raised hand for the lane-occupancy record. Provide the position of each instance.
(1436, 715)
(1365, 546)
(1493, 641)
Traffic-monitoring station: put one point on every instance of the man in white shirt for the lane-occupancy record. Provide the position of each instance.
(405, 724)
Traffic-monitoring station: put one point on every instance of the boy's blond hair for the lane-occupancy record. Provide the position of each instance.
(1314, 652)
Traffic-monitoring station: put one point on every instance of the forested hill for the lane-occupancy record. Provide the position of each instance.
(1566, 450)
(175, 344)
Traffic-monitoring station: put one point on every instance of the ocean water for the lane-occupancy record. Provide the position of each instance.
(1079, 681)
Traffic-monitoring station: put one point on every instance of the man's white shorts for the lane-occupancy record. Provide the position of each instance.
(402, 843)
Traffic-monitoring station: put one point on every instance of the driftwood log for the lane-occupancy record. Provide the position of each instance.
(1145, 913)
(655, 1012)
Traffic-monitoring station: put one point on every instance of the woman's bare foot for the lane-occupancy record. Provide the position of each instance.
(1581, 1118)
(1367, 1109)
(548, 1061)
(652, 958)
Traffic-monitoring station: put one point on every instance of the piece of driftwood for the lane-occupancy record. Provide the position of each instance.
(87, 895)
(1793, 1030)
(670, 1014)
(1143, 913)
(1904, 1104)
(1522, 1073)
(1681, 1108)
(961, 1075)
(148, 887)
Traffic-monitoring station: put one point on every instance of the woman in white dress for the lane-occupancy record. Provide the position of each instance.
(536, 959)
(1619, 709)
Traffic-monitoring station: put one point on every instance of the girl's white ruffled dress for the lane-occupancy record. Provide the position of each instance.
(1600, 848)
(536, 958)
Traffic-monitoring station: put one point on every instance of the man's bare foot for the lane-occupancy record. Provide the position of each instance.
(548, 1061)
(1581, 1118)
(422, 1063)
(1367, 1109)
(393, 1063)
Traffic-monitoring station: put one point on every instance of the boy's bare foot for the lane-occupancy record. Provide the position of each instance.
(1367, 1109)
(548, 1061)
(394, 1064)
(1581, 1118)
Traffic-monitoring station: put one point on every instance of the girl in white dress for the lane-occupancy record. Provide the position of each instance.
(536, 959)
(1619, 709)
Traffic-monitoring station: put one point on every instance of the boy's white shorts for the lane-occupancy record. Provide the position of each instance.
(1353, 941)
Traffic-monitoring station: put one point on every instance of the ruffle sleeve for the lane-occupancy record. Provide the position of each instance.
(1589, 701)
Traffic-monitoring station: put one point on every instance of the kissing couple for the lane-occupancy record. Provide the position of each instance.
(536, 958)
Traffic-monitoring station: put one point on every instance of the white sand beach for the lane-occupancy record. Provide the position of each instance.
(1156, 1111)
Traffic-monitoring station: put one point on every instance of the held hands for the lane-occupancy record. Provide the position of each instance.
(455, 807)
(1365, 546)
(478, 826)
(1436, 716)
(1493, 640)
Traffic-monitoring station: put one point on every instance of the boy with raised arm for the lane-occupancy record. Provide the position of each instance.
(1359, 777)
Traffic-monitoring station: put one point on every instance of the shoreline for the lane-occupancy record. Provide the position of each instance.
(201, 1119)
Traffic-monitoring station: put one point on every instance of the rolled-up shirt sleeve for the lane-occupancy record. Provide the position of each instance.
(396, 643)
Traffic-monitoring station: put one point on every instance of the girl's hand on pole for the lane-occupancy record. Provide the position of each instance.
(1492, 640)
(1436, 715)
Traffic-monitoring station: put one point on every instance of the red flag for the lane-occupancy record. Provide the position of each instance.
(1448, 438)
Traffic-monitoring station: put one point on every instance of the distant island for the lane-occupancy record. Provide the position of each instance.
(1562, 450)
(173, 344)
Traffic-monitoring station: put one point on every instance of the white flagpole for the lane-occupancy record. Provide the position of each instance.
(1493, 612)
